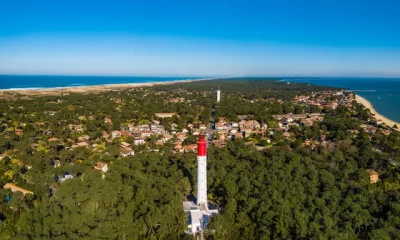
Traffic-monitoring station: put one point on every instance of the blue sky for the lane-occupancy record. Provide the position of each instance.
(201, 38)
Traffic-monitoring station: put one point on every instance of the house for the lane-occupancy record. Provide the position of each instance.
(178, 148)
(138, 141)
(173, 126)
(222, 135)
(167, 137)
(105, 135)
(190, 148)
(165, 115)
(202, 127)
(238, 135)
(157, 128)
(219, 143)
(146, 133)
(53, 139)
(127, 152)
(181, 136)
(247, 132)
(307, 122)
(15, 188)
(101, 166)
(116, 134)
(124, 145)
(19, 132)
(223, 120)
(196, 131)
(373, 176)
(83, 144)
(126, 134)
(56, 163)
(378, 122)
(83, 138)
(235, 124)
(250, 124)
(220, 126)
(108, 120)
(286, 134)
(65, 177)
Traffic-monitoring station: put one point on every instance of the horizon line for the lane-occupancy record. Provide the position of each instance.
(193, 76)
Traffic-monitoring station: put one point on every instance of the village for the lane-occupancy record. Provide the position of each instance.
(134, 138)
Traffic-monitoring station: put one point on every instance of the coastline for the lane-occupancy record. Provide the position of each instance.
(89, 89)
(368, 105)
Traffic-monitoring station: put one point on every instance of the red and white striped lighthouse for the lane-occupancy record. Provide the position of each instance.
(202, 172)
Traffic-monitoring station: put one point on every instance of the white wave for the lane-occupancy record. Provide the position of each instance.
(22, 89)
(363, 90)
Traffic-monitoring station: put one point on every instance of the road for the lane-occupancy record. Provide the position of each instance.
(211, 127)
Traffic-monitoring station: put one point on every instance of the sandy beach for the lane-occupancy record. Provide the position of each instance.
(88, 89)
(367, 104)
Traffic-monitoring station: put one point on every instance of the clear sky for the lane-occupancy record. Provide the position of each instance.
(201, 38)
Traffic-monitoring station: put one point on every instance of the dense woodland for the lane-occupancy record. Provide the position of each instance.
(285, 191)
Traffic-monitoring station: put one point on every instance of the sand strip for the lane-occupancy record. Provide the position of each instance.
(378, 116)
(90, 89)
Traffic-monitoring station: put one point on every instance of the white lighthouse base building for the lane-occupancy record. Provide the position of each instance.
(197, 219)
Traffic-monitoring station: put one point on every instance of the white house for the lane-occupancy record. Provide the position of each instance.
(138, 141)
(101, 167)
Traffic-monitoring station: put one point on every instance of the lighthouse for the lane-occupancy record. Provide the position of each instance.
(198, 213)
(218, 95)
(202, 172)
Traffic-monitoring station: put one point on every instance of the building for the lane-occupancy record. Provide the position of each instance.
(218, 95)
(103, 167)
(127, 152)
(19, 132)
(190, 148)
(199, 213)
(56, 163)
(373, 176)
(165, 115)
(219, 143)
(138, 141)
(124, 145)
(65, 176)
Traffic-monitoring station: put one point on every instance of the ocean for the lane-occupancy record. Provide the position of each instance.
(382, 93)
(37, 82)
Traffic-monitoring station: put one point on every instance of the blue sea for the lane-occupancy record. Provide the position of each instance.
(383, 93)
(37, 82)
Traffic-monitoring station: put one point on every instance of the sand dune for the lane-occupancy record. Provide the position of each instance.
(88, 89)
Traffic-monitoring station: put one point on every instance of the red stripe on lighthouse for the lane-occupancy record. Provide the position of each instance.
(202, 146)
